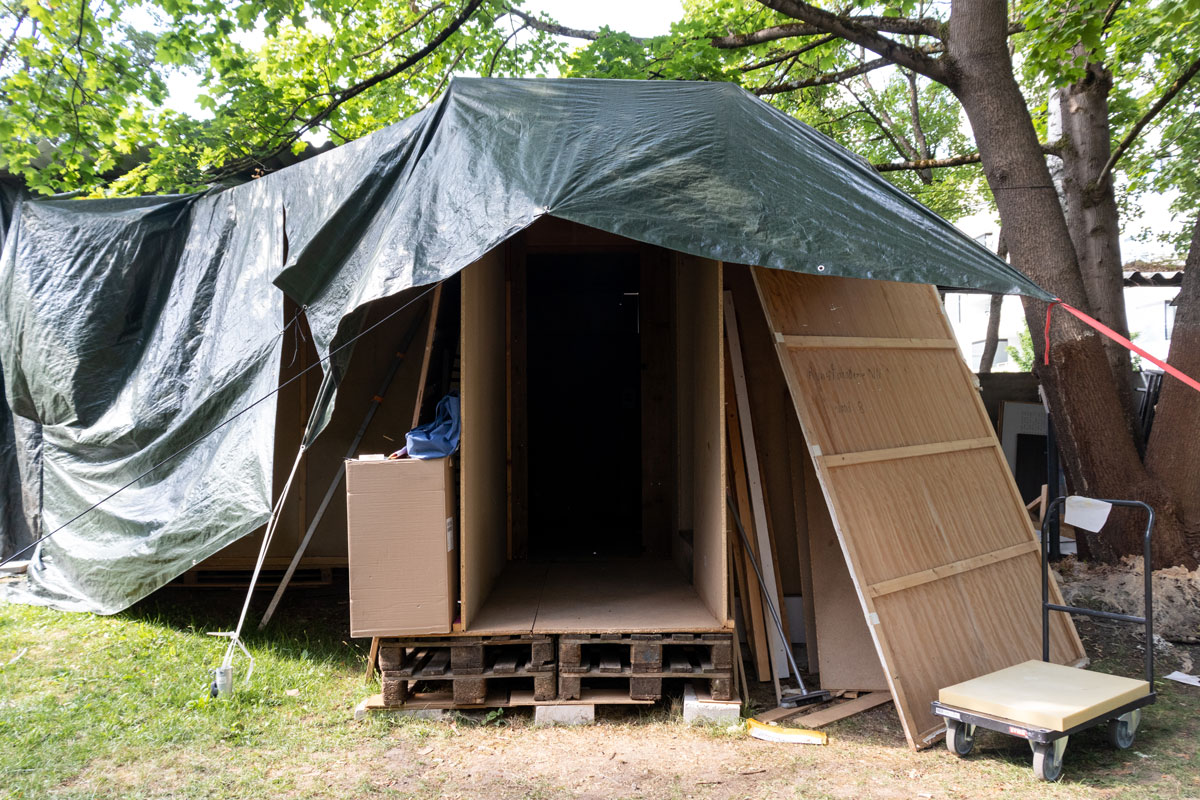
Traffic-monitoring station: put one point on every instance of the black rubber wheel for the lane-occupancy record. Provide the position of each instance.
(1121, 734)
(1045, 765)
(959, 739)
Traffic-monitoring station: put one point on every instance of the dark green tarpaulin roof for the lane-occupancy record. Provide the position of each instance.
(128, 327)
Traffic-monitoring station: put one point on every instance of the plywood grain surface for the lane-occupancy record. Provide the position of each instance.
(927, 516)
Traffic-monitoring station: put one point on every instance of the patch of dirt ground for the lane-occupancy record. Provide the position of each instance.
(1121, 588)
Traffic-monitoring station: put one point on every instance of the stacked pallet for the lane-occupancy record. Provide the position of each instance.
(467, 669)
(500, 671)
(642, 661)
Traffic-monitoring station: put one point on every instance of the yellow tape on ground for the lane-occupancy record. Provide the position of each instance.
(772, 733)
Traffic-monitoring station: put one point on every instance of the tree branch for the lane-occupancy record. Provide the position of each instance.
(12, 38)
(824, 80)
(1109, 14)
(919, 27)
(343, 95)
(1049, 148)
(884, 122)
(399, 33)
(560, 30)
(857, 30)
(1150, 114)
(769, 62)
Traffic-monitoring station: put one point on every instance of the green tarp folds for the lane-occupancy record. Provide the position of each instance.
(130, 327)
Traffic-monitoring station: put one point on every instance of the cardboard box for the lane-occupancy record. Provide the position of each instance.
(403, 545)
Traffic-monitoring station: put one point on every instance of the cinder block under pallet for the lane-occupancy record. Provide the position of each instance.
(644, 660)
(467, 666)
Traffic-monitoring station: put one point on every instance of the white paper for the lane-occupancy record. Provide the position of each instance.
(1183, 677)
(1086, 513)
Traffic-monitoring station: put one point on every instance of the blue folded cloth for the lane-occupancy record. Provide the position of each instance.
(439, 438)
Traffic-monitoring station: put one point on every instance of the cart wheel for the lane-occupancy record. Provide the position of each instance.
(1123, 729)
(1047, 762)
(960, 738)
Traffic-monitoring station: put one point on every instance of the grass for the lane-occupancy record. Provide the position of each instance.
(118, 707)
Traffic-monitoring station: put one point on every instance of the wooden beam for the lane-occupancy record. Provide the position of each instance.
(829, 714)
(434, 305)
(752, 609)
(953, 568)
(754, 478)
(912, 451)
(863, 342)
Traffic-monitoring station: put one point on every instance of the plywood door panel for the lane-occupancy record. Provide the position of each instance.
(484, 494)
(926, 514)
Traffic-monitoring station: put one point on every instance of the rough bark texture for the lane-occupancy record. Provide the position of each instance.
(1098, 450)
(1172, 455)
(991, 339)
(1093, 220)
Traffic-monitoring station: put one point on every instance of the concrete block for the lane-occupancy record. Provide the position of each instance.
(709, 712)
(582, 714)
(367, 707)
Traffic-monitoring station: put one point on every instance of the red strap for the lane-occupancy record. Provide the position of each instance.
(1119, 339)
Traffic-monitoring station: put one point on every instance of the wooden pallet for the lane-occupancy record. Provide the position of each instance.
(470, 668)
(643, 661)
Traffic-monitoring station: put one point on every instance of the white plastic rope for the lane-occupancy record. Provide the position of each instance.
(235, 636)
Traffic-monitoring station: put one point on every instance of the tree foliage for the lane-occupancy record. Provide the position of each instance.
(84, 84)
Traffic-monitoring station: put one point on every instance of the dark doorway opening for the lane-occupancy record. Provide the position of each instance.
(584, 405)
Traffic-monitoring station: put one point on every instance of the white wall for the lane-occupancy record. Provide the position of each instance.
(1148, 309)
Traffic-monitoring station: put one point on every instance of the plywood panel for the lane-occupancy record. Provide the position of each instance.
(699, 289)
(927, 517)
(846, 658)
(926, 494)
(622, 596)
(804, 305)
(484, 511)
(872, 399)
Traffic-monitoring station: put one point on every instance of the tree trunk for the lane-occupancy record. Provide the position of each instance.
(1172, 455)
(1097, 446)
(991, 339)
(1093, 220)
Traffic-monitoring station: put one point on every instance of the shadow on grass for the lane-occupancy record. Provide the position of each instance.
(310, 620)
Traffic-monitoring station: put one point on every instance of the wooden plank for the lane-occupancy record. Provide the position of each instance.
(874, 343)
(797, 455)
(753, 612)
(435, 305)
(840, 711)
(483, 512)
(895, 518)
(766, 558)
(770, 409)
(912, 451)
(946, 570)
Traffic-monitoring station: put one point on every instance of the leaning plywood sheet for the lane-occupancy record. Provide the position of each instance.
(929, 520)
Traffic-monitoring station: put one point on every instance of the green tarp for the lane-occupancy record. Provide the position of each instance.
(130, 327)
